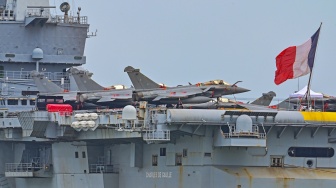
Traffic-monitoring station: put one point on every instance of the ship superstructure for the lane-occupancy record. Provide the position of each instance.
(32, 38)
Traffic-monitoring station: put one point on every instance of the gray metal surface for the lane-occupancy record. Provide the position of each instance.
(204, 148)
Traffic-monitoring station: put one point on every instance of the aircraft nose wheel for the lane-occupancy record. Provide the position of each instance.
(179, 104)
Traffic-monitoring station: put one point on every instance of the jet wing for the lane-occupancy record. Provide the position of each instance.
(115, 95)
(181, 93)
(69, 97)
(256, 107)
(209, 89)
(105, 99)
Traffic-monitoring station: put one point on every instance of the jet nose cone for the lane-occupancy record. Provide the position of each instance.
(241, 90)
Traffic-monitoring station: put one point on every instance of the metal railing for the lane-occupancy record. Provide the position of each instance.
(7, 15)
(159, 135)
(244, 135)
(253, 133)
(34, 12)
(103, 168)
(70, 19)
(65, 113)
(26, 75)
(23, 167)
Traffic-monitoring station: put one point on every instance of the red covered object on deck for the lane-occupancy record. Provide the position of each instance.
(59, 108)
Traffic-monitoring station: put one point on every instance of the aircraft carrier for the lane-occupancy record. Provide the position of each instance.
(141, 146)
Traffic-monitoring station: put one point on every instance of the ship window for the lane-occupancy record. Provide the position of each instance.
(24, 102)
(76, 154)
(207, 154)
(310, 152)
(178, 159)
(13, 102)
(154, 160)
(277, 161)
(40, 100)
(162, 151)
(50, 100)
(185, 152)
(28, 92)
(83, 154)
(32, 102)
(59, 101)
(77, 57)
(10, 55)
(2, 71)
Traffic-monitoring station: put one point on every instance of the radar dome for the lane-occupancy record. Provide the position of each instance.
(37, 54)
(244, 123)
(129, 113)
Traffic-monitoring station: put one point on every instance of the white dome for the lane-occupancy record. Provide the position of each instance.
(129, 113)
(37, 54)
(244, 123)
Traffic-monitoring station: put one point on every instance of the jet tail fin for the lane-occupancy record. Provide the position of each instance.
(265, 99)
(285, 105)
(139, 80)
(83, 80)
(44, 85)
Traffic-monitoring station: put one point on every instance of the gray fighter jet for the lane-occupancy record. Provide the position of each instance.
(111, 98)
(154, 96)
(147, 89)
(91, 91)
(261, 103)
(50, 93)
(327, 103)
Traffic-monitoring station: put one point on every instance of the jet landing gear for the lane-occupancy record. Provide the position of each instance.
(179, 104)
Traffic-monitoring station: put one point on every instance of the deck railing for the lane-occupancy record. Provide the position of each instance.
(156, 135)
(23, 167)
(104, 168)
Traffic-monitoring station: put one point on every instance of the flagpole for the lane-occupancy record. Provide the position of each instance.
(308, 90)
(308, 98)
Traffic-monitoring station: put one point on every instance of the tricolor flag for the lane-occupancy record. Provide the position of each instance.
(296, 61)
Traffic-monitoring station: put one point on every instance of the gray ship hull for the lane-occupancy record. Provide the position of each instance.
(193, 154)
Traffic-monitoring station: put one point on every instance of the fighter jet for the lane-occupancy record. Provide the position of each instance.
(110, 98)
(147, 89)
(155, 96)
(90, 91)
(262, 102)
(50, 93)
(327, 103)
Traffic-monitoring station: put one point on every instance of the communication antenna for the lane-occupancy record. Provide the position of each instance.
(65, 7)
(78, 14)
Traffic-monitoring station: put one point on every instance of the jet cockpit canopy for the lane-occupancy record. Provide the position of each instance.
(215, 82)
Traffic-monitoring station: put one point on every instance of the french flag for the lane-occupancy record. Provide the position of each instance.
(296, 61)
